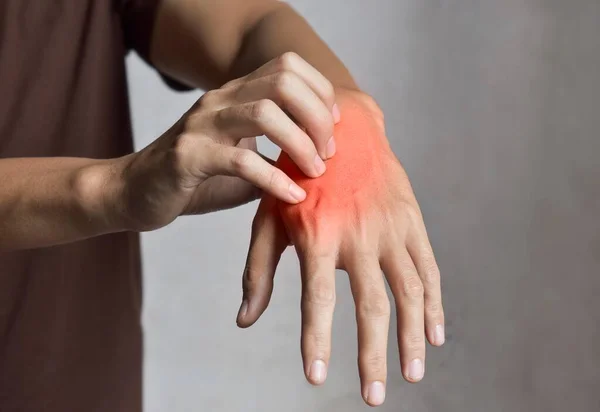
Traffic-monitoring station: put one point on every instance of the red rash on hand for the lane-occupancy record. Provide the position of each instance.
(340, 199)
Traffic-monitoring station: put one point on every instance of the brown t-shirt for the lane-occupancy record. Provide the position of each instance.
(70, 334)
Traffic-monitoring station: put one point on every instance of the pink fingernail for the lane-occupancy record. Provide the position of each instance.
(319, 165)
(440, 336)
(317, 372)
(330, 147)
(335, 111)
(297, 192)
(415, 370)
(376, 393)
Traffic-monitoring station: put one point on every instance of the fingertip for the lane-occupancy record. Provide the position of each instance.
(241, 316)
(331, 147)
(319, 165)
(439, 335)
(317, 372)
(436, 334)
(252, 308)
(335, 111)
(297, 193)
(415, 371)
(374, 394)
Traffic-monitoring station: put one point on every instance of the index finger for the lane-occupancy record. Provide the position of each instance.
(291, 61)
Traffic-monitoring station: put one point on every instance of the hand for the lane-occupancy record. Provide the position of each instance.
(360, 216)
(208, 160)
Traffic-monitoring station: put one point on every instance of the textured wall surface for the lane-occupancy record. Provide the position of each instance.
(493, 107)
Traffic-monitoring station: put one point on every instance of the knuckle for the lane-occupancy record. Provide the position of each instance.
(412, 288)
(375, 305)
(329, 90)
(319, 340)
(431, 272)
(240, 161)
(284, 81)
(251, 271)
(288, 60)
(372, 103)
(232, 83)
(376, 361)
(433, 307)
(414, 342)
(194, 120)
(208, 99)
(261, 110)
(319, 292)
(250, 278)
(275, 178)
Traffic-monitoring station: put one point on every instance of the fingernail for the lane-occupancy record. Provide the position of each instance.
(243, 309)
(376, 393)
(330, 147)
(335, 111)
(439, 337)
(319, 165)
(415, 369)
(317, 372)
(297, 192)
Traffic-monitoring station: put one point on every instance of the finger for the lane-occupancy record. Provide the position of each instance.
(290, 92)
(292, 62)
(407, 289)
(318, 302)
(265, 117)
(248, 165)
(268, 159)
(248, 143)
(267, 243)
(221, 192)
(373, 318)
(422, 254)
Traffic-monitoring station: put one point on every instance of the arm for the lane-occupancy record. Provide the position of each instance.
(360, 215)
(205, 43)
(47, 201)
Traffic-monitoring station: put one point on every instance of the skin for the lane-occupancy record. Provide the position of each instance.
(360, 216)
(268, 73)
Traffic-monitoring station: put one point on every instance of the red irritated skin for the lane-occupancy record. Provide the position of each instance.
(360, 216)
(340, 200)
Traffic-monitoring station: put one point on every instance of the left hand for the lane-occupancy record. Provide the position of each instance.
(360, 216)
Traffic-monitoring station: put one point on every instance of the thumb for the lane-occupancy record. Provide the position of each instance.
(267, 243)
(222, 192)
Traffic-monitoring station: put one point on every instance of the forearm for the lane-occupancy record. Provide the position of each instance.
(282, 30)
(205, 44)
(49, 201)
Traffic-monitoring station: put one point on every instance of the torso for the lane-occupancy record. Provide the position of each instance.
(70, 335)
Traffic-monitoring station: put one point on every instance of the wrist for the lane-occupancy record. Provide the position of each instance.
(98, 189)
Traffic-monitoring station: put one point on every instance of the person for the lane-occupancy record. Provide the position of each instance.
(74, 196)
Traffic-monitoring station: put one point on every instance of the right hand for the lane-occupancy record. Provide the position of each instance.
(207, 160)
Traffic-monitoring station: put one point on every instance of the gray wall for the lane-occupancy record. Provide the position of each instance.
(494, 109)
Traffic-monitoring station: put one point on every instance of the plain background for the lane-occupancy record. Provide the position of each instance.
(493, 107)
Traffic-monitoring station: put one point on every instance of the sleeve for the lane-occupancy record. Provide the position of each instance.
(137, 19)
